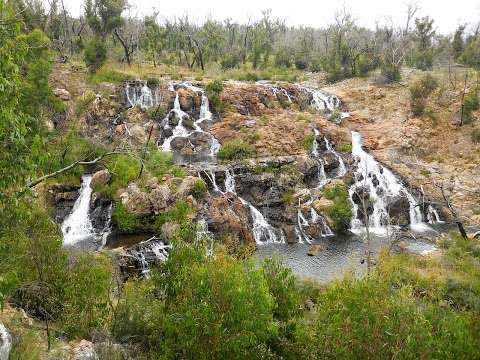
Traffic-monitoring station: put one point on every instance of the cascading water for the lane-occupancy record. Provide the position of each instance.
(432, 215)
(324, 102)
(5, 342)
(148, 251)
(138, 93)
(179, 130)
(342, 170)
(322, 177)
(263, 232)
(381, 186)
(78, 225)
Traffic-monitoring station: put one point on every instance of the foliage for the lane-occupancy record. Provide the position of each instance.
(86, 302)
(283, 287)
(124, 169)
(235, 149)
(213, 90)
(341, 210)
(215, 307)
(419, 93)
(308, 141)
(476, 136)
(95, 54)
(471, 103)
(125, 221)
(199, 189)
(345, 147)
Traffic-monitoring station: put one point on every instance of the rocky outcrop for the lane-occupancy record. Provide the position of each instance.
(62, 197)
(229, 217)
(84, 350)
(100, 178)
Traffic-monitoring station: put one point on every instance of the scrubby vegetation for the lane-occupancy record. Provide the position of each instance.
(210, 299)
(235, 150)
(341, 210)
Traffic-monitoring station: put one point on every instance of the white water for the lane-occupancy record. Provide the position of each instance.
(180, 131)
(324, 102)
(322, 177)
(77, 226)
(5, 342)
(139, 94)
(389, 186)
(151, 248)
(342, 170)
(262, 231)
(432, 215)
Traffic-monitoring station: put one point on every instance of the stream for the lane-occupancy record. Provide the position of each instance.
(340, 253)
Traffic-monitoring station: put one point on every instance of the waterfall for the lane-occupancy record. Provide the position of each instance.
(262, 231)
(322, 177)
(179, 130)
(342, 170)
(381, 186)
(138, 93)
(5, 342)
(324, 102)
(149, 251)
(78, 226)
(432, 215)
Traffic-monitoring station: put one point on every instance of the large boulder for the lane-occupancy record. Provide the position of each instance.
(229, 217)
(399, 210)
(100, 178)
(84, 350)
(62, 94)
(136, 201)
(160, 198)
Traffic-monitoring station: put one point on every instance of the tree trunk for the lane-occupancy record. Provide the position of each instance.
(124, 46)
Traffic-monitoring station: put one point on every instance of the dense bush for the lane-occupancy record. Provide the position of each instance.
(476, 136)
(341, 210)
(95, 54)
(214, 89)
(230, 61)
(419, 93)
(235, 150)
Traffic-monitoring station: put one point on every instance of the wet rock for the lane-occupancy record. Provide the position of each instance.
(290, 234)
(84, 350)
(187, 122)
(180, 144)
(100, 178)
(63, 198)
(185, 98)
(229, 217)
(315, 249)
(173, 118)
(100, 213)
(399, 210)
(63, 94)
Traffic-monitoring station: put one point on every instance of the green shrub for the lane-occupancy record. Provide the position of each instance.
(230, 61)
(214, 307)
(199, 189)
(235, 150)
(87, 295)
(476, 136)
(308, 142)
(95, 54)
(153, 82)
(124, 169)
(344, 147)
(419, 93)
(283, 287)
(124, 220)
(341, 210)
(213, 90)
